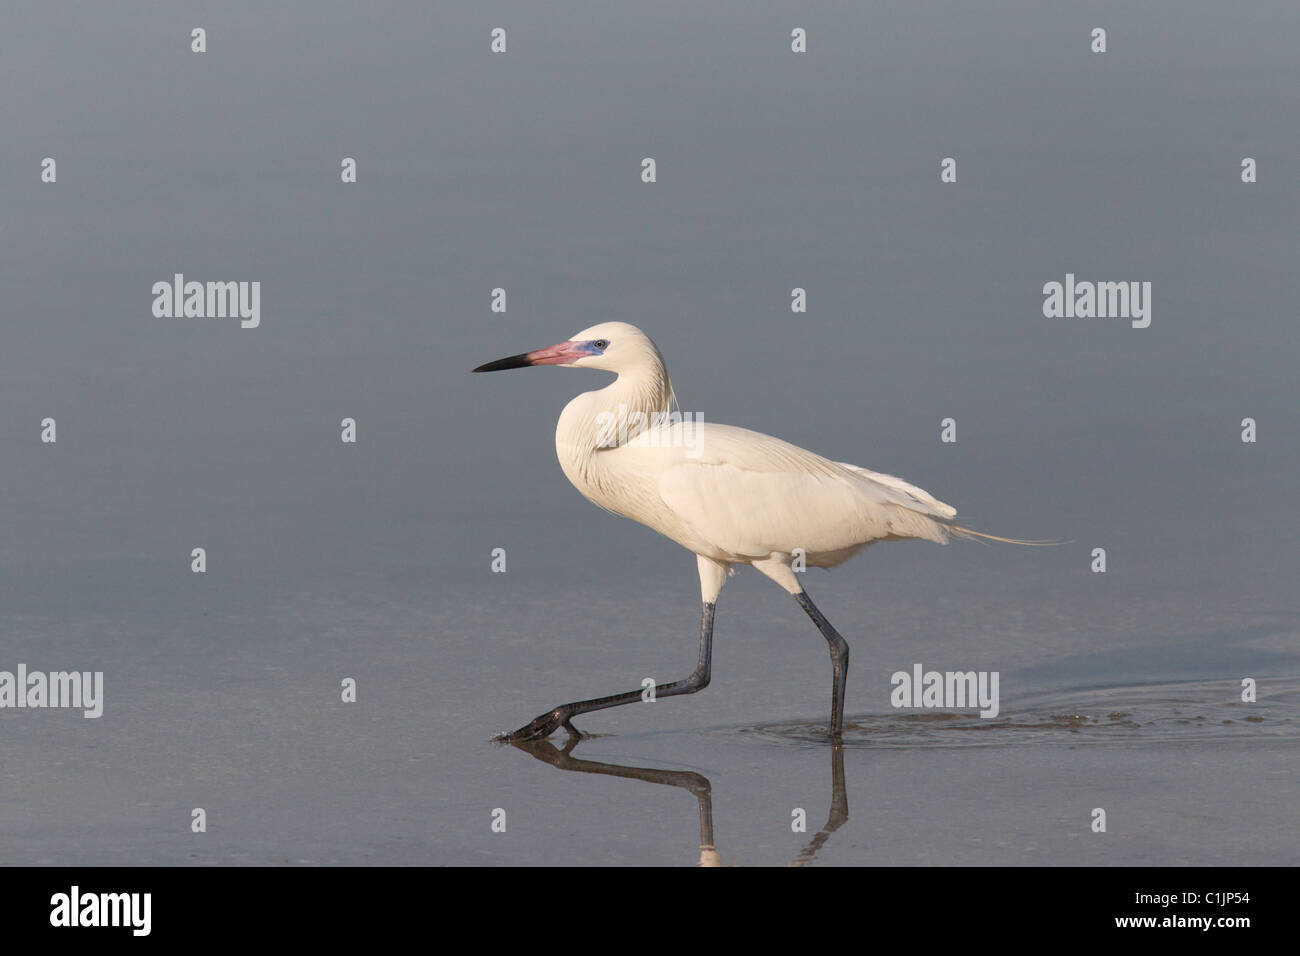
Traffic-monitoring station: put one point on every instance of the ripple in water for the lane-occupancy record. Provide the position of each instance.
(1210, 710)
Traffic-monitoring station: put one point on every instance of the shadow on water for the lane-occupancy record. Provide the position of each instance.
(1157, 713)
(697, 784)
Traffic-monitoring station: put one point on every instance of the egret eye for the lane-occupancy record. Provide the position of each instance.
(601, 344)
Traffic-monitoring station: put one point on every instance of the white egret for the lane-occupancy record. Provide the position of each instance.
(729, 495)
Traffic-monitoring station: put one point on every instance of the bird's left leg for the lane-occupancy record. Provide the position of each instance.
(712, 575)
(546, 724)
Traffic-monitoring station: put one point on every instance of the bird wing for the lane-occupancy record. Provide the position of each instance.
(750, 494)
(919, 498)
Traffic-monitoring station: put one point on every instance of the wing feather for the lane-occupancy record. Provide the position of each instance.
(750, 495)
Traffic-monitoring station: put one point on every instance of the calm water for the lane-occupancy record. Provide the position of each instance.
(371, 561)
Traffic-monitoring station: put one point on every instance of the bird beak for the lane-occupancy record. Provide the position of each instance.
(561, 354)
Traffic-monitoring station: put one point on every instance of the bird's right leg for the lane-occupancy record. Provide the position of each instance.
(546, 724)
(778, 569)
(839, 649)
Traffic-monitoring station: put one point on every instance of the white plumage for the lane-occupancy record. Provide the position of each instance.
(729, 495)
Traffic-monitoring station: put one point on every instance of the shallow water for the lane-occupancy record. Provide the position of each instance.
(1181, 783)
(1148, 714)
(372, 561)
(257, 736)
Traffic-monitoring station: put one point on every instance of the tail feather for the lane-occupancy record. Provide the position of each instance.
(961, 532)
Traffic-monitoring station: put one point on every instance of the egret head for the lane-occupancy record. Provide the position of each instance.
(612, 346)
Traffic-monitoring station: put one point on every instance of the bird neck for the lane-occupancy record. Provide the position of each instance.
(610, 417)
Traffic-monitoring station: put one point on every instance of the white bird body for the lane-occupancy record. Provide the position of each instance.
(730, 495)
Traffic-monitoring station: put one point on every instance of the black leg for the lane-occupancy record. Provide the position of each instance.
(839, 660)
(548, 723)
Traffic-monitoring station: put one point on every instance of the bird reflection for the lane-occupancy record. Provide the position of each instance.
(839, 808)
(696, 783)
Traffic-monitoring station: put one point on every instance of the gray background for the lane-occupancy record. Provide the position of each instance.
(522, 170)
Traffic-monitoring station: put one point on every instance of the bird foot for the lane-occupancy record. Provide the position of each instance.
(543, 726)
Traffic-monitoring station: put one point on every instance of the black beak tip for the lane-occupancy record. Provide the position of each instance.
(500, 365)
